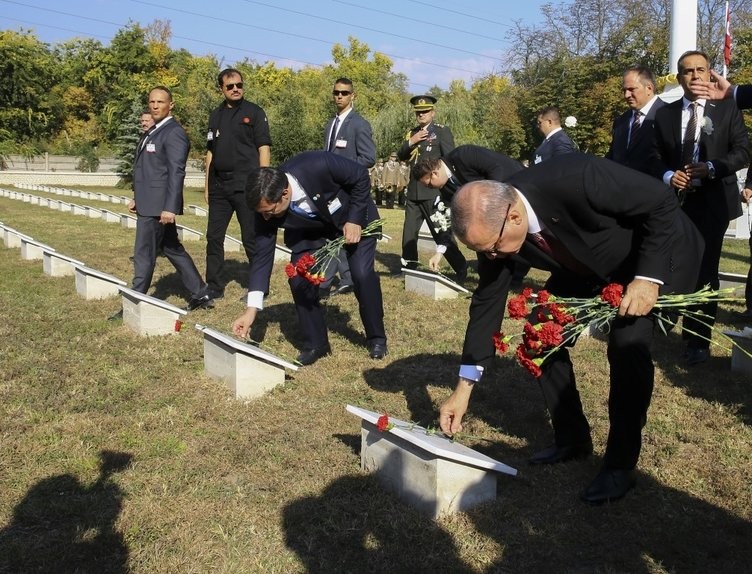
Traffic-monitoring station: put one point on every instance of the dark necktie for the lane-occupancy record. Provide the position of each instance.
(634, 127)
(688, 144)
(551, 246)
(333, 136)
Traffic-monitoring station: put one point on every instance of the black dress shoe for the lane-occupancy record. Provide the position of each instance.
(310, 356)
(608, 486)
(203, 302)
(377, 350)
(696, 355)
(554, 454)
(343, 289)
(216, 293)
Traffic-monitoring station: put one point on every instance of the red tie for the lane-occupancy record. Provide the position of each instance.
(551, 246)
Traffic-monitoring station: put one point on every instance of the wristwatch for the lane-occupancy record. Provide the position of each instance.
(711, 169)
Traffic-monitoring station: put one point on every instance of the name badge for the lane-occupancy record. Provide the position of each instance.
(334, 205)
(341, 143)
(150, 147)
(538, 159)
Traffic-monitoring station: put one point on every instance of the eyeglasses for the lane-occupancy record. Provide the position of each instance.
(341, 92)
(229, 87)
(494, 251)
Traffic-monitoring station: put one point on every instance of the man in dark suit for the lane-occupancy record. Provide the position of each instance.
(555, 139)
(699, 146)
(315, 196)
(462, 165)
(347, 134)
(609, 224)
(158, 175)
(632, 132)
(427, 139)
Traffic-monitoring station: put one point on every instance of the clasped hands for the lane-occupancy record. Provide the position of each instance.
(682, 178)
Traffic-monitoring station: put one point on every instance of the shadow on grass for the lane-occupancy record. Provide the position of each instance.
(284, 314)
(712, 381)
(62, 525)
(356, 526)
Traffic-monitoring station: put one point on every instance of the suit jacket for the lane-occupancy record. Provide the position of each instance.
(357, 136)
(615, 221)
(438, 144)
(723, 141)
(472, 163)
(341, 191)
(557, 144)
(744, 96)
(637, 155)
(159, 170)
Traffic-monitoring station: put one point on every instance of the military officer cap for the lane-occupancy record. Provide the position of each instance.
(422, 103)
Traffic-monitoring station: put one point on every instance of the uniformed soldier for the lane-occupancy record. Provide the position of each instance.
(427, 139)
(376, 173)
(390, 179)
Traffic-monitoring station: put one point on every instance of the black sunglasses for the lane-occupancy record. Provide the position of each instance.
(341, 92)
(232, 86)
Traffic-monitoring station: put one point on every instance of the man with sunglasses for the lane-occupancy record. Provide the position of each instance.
(347, 134)
(427, 139)
(237, 142)
(590, 222)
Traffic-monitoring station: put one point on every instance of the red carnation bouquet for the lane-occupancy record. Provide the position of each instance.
(312, 266)
(552, 322)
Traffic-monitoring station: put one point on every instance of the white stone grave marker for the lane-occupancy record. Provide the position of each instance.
(247, 371)
(188, 234)
(740, 361)
(128, 221)
(197, 210)
(32, 250)
(735, 281)
(93, 212)
(232, 244)
(425, 239)
(282, 253)
(431, 285)
(110, 216)
(148, 315)
(79, 209)
(12, 238)
(56, 264)
(424, 468)
(93, 284)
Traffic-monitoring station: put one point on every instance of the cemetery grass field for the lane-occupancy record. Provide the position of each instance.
(117, 453)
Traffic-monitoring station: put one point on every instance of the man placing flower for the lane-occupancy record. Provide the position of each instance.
(590, 222)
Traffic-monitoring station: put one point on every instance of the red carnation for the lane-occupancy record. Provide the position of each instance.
(526, 362)
(178, 325)
(560, 315)
(550, 334)
(383, 423)
(517, 307)
(501, 345)
(290, 270)
(543, 296)
(542, 315)
(612, 294)
(527, 293)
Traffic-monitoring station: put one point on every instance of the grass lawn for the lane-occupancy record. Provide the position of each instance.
(117, 454)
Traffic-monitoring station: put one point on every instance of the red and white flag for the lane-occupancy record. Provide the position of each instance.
(727, 42)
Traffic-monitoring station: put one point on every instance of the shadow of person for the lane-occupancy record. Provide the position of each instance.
(391, 261)
(167, 285)
(507, 399)
(62, 525)
(542, 526)
(711, 381)
(284, 314)
(236, 270)
(357, 526)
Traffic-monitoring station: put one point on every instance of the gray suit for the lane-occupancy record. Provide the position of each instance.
(158, 174)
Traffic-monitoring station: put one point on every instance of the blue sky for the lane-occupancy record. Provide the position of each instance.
(432, 42)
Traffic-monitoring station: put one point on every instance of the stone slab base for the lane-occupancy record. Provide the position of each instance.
(56, 266)
(246, 377)
(434, 486)
(92, 288)
(149, 320)
(740, 362)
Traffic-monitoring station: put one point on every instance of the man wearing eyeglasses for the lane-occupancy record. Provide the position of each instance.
(315, 196)
(590, 222)
(237, 142)
(427, 139)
